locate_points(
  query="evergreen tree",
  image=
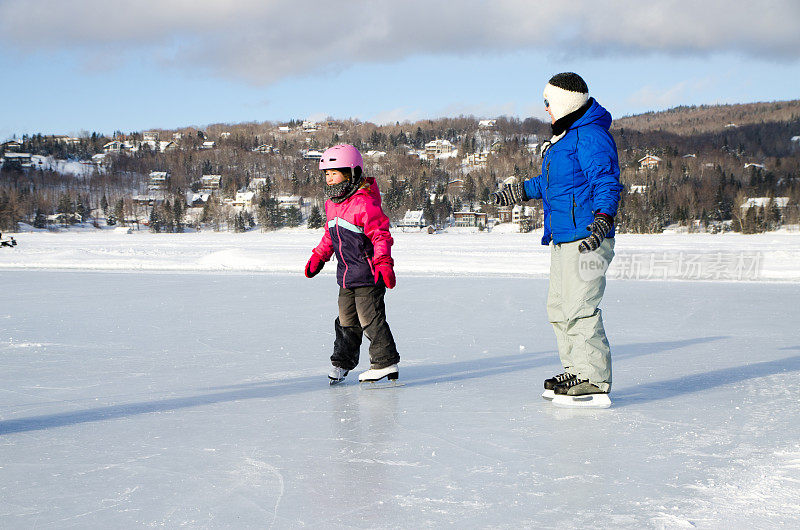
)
(315, 219)
(177, 215)
(119, 212)
(293, 217)
(156, 223)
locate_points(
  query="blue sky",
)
(91, 66)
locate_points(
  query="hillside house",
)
(757, 166)
(504, 214)
(469, 218)
(11, 145)
(224, 135)
(520, 212)
(310, 126)
(158, 180)
(99, 159)
(475, 160)
(24, 160)
(210, 183)
(264, 148)
(638, 189)
(486, 124)
(438, 149)
(455, 188)
(649, 162)
(242, 201)
(63, 139)
(312, 154)
(284, 129)
(375, 155)
(118, 146)
(257, 183)
(289, 201)
(412, 219)
(150, 136)
(208, 144)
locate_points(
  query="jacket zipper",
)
(547, 194)
(574, 223)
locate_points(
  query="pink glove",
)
(385, 272)
(314, 265)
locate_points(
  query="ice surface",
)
(202, 400)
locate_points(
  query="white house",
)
(312, 154)
(23, 159)
(242, 200)
(519, 211)
(208, 145)
(487, 124)
(757, 166)
(649, 162)
(638, 189)
(257, 183)
(438, 149)
(158, 180)
(210, 183)
(288, 201)
(412, 219)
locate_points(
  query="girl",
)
(358, 233)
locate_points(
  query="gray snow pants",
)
(577, 284)
(362, 312)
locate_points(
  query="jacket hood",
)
(596, 115)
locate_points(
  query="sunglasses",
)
(546, 104)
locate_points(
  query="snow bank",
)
(706, 257)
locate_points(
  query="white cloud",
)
(262, 41)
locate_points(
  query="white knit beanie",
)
(566, 92)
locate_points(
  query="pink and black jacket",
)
(358, 232)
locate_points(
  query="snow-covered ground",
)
(180, 380)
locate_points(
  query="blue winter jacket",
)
(580, 176)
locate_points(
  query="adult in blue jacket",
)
(580, 190)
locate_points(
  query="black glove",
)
(510, 194)
(599, 228)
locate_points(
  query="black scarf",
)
(344, 190)
(565, 122)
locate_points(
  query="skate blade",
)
(548, 395)
(380, 384)
(590, 401)
(335, 381)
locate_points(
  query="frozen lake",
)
(201, 399)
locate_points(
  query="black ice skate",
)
(580, 393)
(550, 384)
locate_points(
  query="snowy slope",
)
(162, 399)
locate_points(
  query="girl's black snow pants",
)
(363, 312)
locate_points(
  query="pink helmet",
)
(340, 156)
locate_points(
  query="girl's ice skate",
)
(373, 375)
(337, 375)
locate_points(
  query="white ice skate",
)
(337, 375)
(374, 375)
